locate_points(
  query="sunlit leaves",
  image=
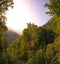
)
(53, 52)
(54, 7)
(38, 58)
(4, 4)
(50, 54)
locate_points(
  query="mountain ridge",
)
(53, 24)
(11, 35)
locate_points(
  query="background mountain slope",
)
(11, 35)
(53, 24)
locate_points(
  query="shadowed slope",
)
(11, 35)
(53, 24)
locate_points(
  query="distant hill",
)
(11, 35)
(53, 24)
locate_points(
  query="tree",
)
(38, 58)
(50, 54)
(4, 5)
(46, 36)
(54, 7)
(18, 51)
(31, 34)
(57, 48)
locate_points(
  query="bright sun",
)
(18, 16)
(26, 11)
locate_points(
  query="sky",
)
(26, 11)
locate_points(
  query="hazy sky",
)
(26, 11)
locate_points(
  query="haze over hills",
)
(14, 30)
(12, 34)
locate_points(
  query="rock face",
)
(11, 35)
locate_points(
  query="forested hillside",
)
(53, 24)
(37, 45)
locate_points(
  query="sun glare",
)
(18, 16)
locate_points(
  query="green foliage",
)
(31, 35)
(3, 28)
(38, 58)
(54, 25)
(4, 4)
(53, 52)
(50, 54)
(37, 45)
(57, 48)
(33, 47)
(54, 7)
(46, 35)
(57, 44)
(3, 44)
(3, 47)
(18, 51)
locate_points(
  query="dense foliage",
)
(4, 4)
(37, 45)
(54, 7)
